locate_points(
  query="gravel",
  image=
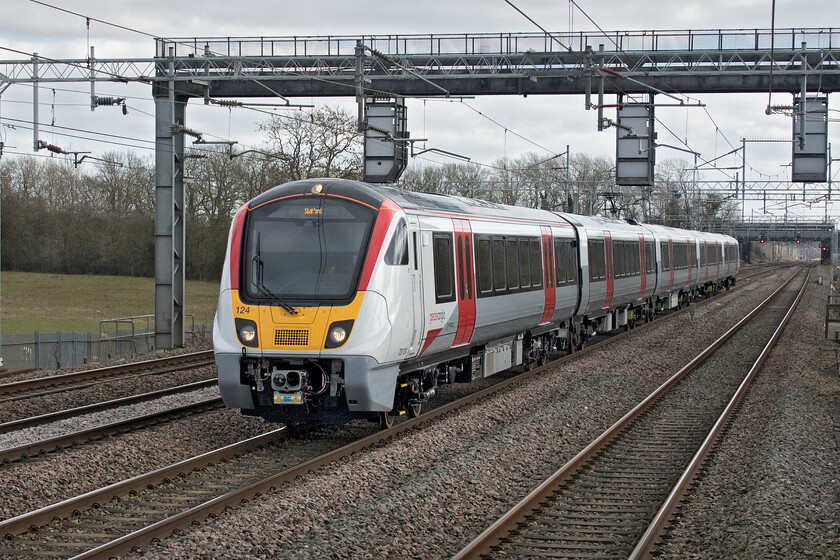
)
(96, 419)
(37, 482)
(772, 488)
(102, 390)
(429, 492)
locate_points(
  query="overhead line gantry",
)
(673, 63)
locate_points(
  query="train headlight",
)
(246, 330)
(338, 333)
(248, 333)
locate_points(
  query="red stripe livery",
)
(236, 246)
(643, 265)
(608, 251)
(465, 282)
(548, 276)
(377, 238)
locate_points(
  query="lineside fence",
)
(118, 338)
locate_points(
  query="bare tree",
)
(322, 143)
(467, 179)
(123, 183)
(423, 178)
(675, 192)
(590, 177)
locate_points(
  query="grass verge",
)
(55, 302)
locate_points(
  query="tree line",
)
(99, 219)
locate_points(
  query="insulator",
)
(53, 148)
(102, 101)
(228, 103)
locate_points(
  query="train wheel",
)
(386, 420)
(414, 410)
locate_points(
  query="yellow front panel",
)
(305, 330)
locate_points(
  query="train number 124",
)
(242, 309)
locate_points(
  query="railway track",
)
(32, 421)
(120, 523)
(80, 437)
(615, 498)
(52, 395)
(80, 379)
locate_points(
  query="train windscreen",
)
(305, 248)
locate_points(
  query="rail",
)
(66, 441)
(648, 541)
(201, 358)
(499, 531)
(32, 421)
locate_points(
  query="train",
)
(343, 300)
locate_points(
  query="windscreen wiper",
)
(275, 298)
(263, 289)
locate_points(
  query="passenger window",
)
(597, 260)
(468, 264)
(549, 269)
(571, 263)
(461, 267)
(536, 264)
(484, 266)
(444, 274)
(637, 259)
(559, 261)
(397, 253)
(618, 259)
(524, 265)
(512, 262)
(499, 270)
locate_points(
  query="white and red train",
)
(342, 300)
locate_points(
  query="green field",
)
(53, 302)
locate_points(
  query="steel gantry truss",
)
(689, 61)
(621, 62)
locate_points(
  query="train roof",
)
(603, 222)
(677, 232)
(434, 202)
(375, 195)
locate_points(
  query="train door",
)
(643, 265)
(583, 282)
(692, 261)
(416, 272)
(549, 271)
(464, 282)
(671, 263)
(609, 271)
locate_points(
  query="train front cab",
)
(308, 261)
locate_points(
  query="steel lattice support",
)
(169, 220)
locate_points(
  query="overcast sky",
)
(549, 123)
